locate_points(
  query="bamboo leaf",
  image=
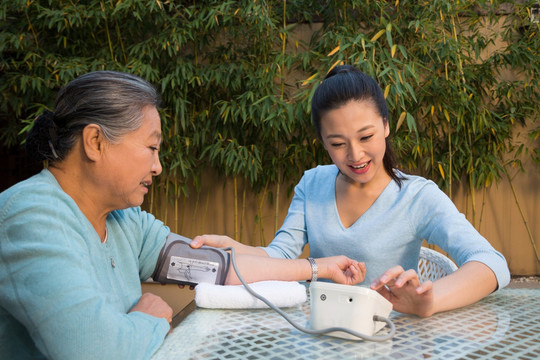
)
(336, 49)
(386, 91)
(378, 35)
(400, 120)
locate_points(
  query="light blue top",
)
(60, 295)
(389, 233)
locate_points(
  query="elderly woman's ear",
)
(93, 143)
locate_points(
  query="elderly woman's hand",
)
(153, 305)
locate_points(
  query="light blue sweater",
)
(60, 295)
(389, 233)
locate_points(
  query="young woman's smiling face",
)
(354, 136)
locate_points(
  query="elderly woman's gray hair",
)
(113, 100)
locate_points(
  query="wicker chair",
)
(433, 265)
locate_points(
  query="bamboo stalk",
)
(109, 41)
(31, 27)
(205, 210)
(522, 214)
(261, 223)
(473, 200)
(151, 206)
(283, 45)
(194, 214)
(176, 206)
(166, 204)
(119, 34)
(235, 185)
(181, 216)
(276, 207)
(484, 191)
(243, 213)
(450, 164)
(432, 155)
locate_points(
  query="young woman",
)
(74, 243)
(363, 207)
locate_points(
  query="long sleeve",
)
(389, 233)
(70, 292)
(441, 223)
(291, 238)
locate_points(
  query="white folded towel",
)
(279, 293)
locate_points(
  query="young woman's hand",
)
(217, 241)
(403, 289)
(221, 241)
(341, 269)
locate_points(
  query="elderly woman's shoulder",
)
(40, 186)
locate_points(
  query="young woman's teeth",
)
(359, 166)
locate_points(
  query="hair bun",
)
(37, 141)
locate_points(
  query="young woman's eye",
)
(337, 144)
(365, 138)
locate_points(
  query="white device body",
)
(351, 307)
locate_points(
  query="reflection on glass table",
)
(504, 325)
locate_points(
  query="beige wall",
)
(500, 221)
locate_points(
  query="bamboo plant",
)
(236, 83)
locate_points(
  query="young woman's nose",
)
(356, 152)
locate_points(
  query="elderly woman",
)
(74, 243)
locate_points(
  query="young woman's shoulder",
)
(320, 175)
(414, 181)
(321, 171)
(419, 186)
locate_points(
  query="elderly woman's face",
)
(131, 164)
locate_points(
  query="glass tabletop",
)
(504, 325)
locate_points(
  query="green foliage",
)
(226, 71)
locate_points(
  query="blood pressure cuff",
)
(179, 263)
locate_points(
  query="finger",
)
(385, 292)
(197, 242)
(387, 278)
(409, 276)
(355, 273)
(424, 287)
(359, 276)
(362, 267)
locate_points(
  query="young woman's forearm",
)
(339, 269)
(260, 268)
(470, 283)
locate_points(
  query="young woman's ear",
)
(93, 142)
(386, 127)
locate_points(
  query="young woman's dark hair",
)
(346, 83)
